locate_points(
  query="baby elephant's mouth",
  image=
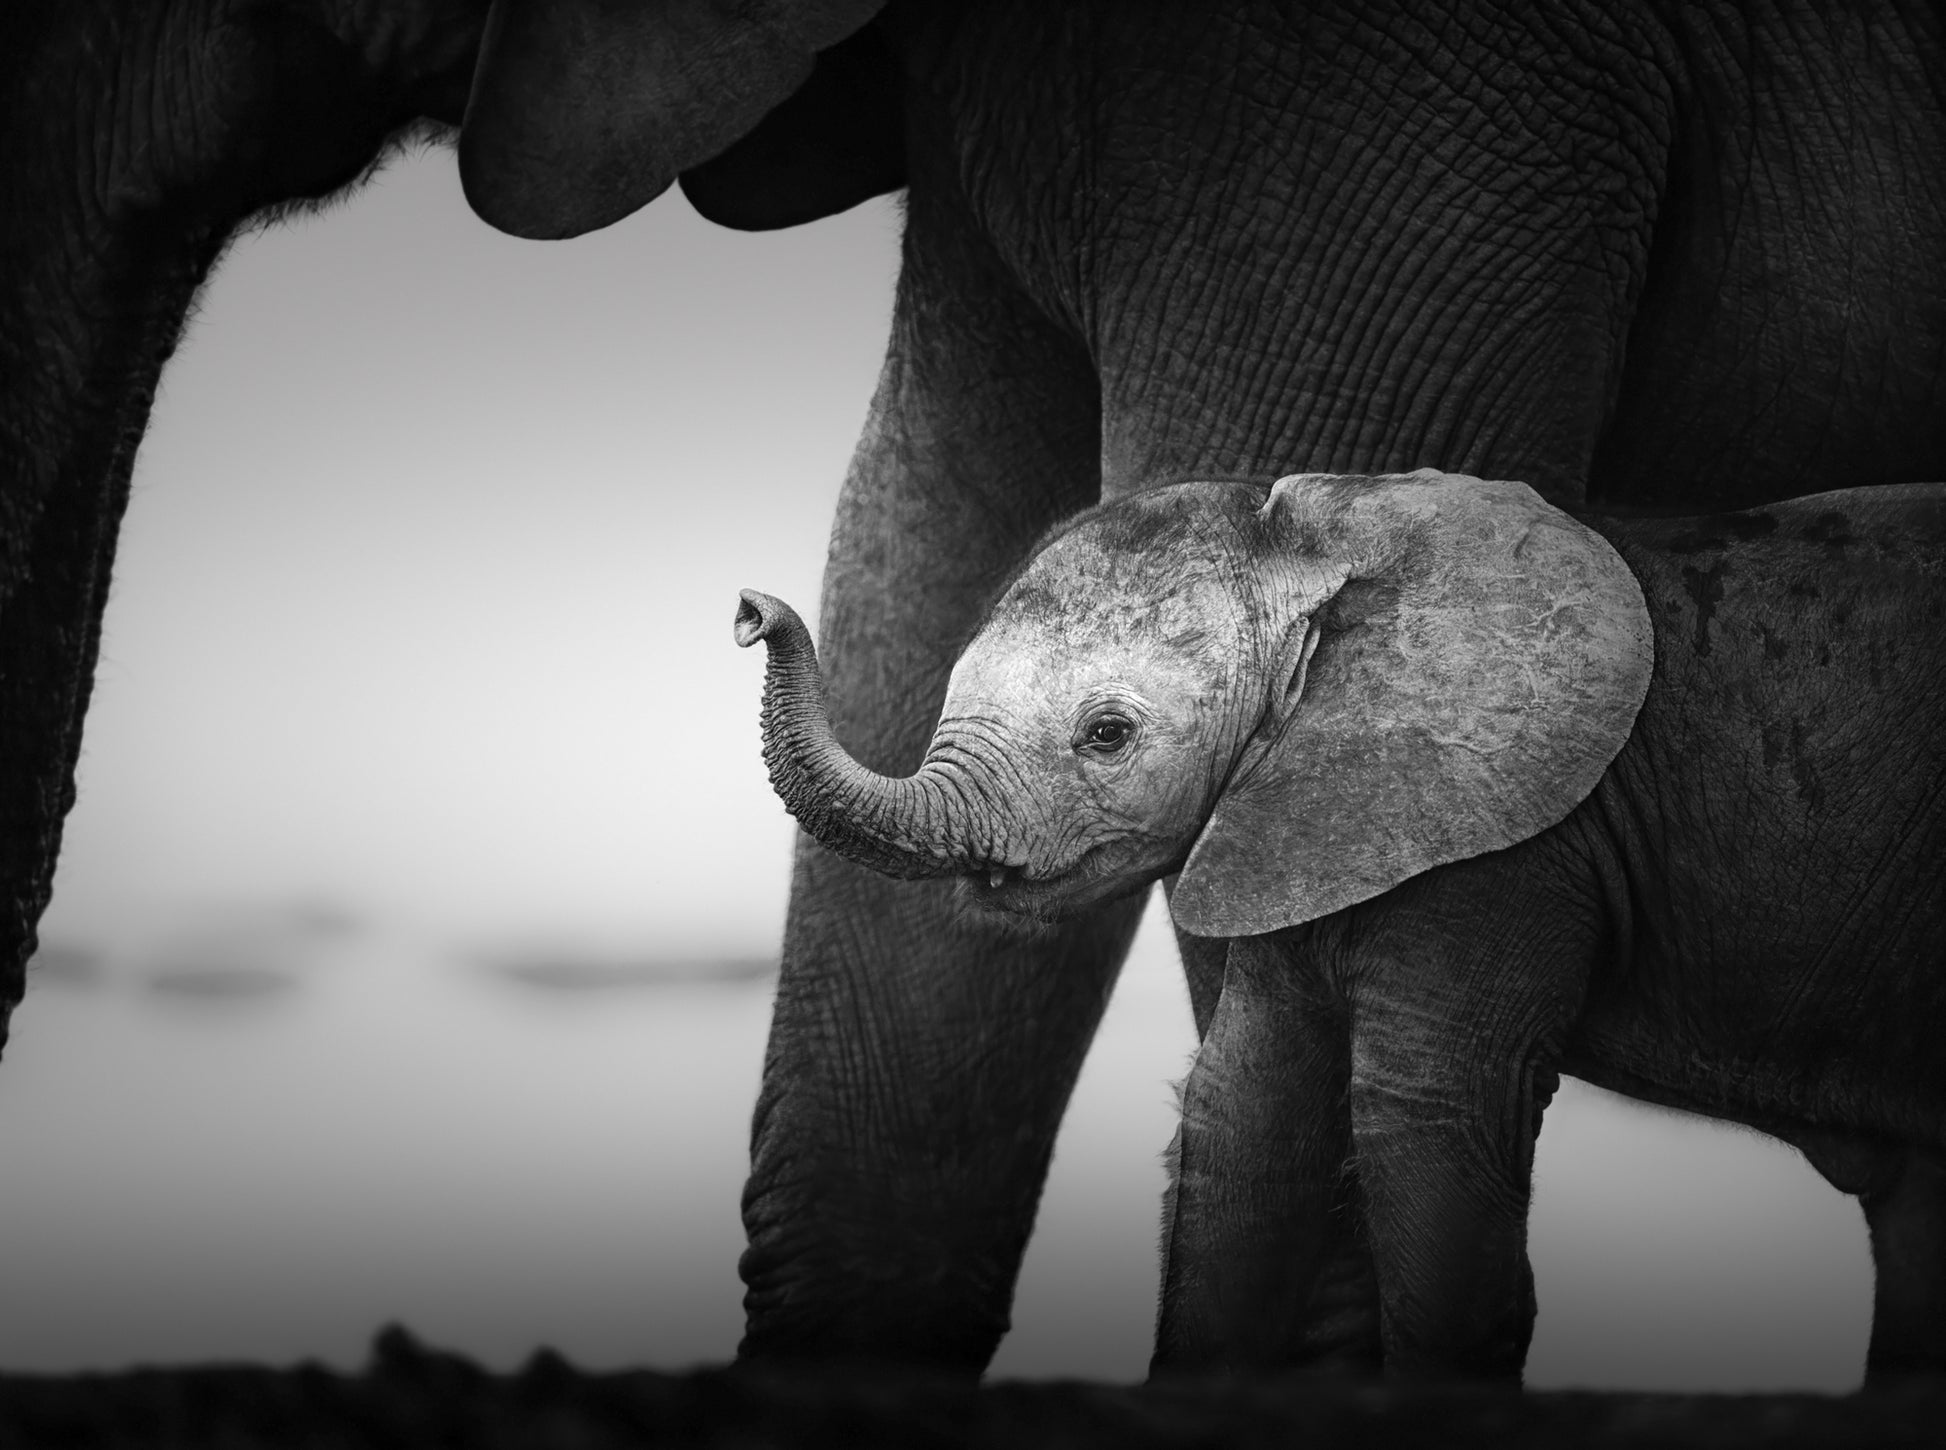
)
(999, 883)
(1091, 880)
(999, 886)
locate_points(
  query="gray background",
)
(400, 959)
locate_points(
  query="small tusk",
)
(997, 877)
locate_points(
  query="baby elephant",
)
(1463, 794)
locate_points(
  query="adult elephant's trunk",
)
(916, 826)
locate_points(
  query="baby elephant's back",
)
(1778, 614)
(1791, 756)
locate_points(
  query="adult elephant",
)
(1640, 254)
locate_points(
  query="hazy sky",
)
(418, 661)
(425, 596)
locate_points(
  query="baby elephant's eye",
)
(1107, 734)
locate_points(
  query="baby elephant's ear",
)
(1475, 673)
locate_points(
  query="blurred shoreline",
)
(255, 1130)
(410, 1394)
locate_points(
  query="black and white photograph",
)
(1145, 723)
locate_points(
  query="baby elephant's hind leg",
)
(1903, 1192)
(1907, 1219)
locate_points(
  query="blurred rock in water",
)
(573, 974)
(61, 965)
(219, 982)
(225, 952)
(243, 952)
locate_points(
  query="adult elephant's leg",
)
(54, 566)
(1264, 1264)
(137, 137)
(91, 300)
(921, 1055)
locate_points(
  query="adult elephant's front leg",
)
(921, 1055)
(919, 1065)
(53, 586)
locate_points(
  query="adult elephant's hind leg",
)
(921, 1054)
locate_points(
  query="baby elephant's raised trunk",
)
(911, 827)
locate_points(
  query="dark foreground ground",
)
(412, 1396)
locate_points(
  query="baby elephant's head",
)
(1297, 701)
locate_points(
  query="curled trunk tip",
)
(760, 615)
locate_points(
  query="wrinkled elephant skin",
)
(1388, 732)
(134, 138)
(1678, 257)
(1645, 253)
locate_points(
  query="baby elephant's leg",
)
(1263, 1263)
(1903, 1192)
(1457, 1016)
(1907, 1218)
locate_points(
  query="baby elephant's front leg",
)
(1264, 1266)
(1454, 1039)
